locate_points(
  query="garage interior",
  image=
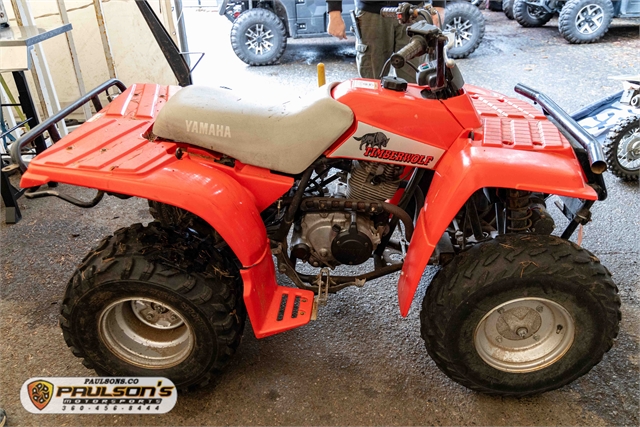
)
(360, 363)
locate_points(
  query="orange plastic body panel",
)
(516, 148)
(406, 114)
(111, 153)
(263, 298)
(490, 141)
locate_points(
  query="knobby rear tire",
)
(524, 14)
(464, 13)
(176, 269)
(253, 19)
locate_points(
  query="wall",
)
(137, 56)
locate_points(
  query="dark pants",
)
(381, 37)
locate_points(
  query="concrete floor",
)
(360, 363)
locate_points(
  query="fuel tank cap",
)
(394, 83)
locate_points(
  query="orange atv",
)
(379, 173)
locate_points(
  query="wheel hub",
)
(146, 333)
(629, 150)
(461, 30)
(536, 12)
(518, 323)
(258, 39)
(524, 335)
(155, 315)
(589, 19)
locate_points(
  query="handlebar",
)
(389, 12)
(416, 47)
(425, 38)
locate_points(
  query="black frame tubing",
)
(50, 124)
(28, 108)
(174, 57)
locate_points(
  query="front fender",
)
(471, 165)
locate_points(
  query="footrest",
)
(288, 309)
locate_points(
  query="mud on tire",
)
(181, 220)
(520, 295)
(150, 284)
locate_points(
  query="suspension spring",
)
(518, 211)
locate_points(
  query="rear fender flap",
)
(468, 167)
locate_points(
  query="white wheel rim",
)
(145, 332)
(259, 40)
(590, 19)
(524, 335)
(462, 30)
(629, 150)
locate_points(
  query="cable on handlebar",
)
(385, 69)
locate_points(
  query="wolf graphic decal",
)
(373, 140)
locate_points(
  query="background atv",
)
(580, 21)
(260, 28)
(615, 122)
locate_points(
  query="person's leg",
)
(376, 45)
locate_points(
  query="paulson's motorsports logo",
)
(98, 395)
(40, 393)
(374, 144)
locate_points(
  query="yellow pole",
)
(321, 77)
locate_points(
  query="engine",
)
(330, 236)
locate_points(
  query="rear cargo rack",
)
(49, 125)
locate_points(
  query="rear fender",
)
(469, 166)
(219, 199)
(206, 192)
(112, 152)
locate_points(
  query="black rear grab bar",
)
(568, 125)
(50, 123)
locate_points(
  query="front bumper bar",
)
(567, 125)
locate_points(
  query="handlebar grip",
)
(416, 47)
(389, 12)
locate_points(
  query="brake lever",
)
(450, 63)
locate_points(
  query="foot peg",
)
(322, 281)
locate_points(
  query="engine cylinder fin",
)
(373, 181)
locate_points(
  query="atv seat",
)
(286, 137)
